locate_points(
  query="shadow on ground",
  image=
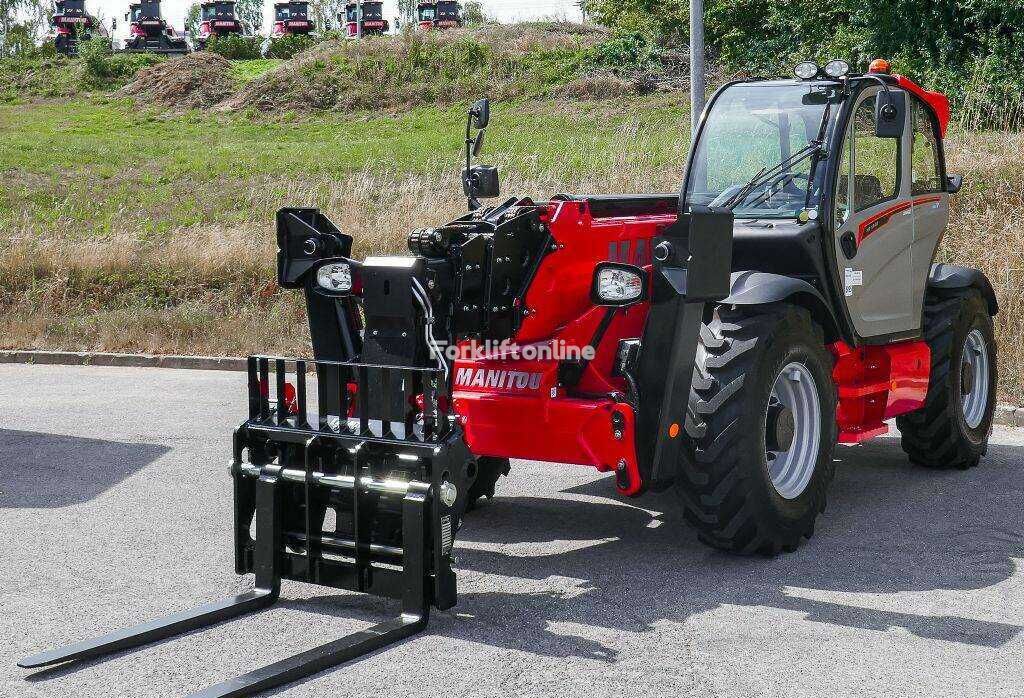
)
(890, 527)
(50, 470)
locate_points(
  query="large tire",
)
(487, 474)
(725, 486)
(939, 434)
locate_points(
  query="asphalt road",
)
(115, 508)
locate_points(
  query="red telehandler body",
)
(719, 342)
(72, 24)
(291, 19)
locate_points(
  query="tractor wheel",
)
(952, 429)
(761, 430)
(487, 474)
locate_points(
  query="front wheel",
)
(953, 427)
(761, 430)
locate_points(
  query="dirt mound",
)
(397, 72)
(196, 81)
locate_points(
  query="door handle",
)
(848, 242)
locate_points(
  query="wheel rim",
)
(974, 378)
(792, 430)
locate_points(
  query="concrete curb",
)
(88, 358)
(1007, 415)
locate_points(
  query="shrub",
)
(101, 67)
(235, 47)
(288, 46)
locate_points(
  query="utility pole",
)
(697, 86)
(359, 19)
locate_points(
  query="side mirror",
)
(478, 143)
(954, 183)
(481, 112)
(113, 23)
(890, 113)
(481, 182)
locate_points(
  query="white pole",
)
(359, 19)
(697, 86)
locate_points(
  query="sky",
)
(502, 10)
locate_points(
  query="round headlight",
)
(335, 277)
(806, 70)
(837, 69)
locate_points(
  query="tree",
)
(193, 20)
(324, 13)
(250, 14)
(20, 23)
(473, 12)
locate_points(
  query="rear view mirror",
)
(481, 112)
(890, 113)
(954, 182)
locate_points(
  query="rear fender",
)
(762, 288)
(951, 276)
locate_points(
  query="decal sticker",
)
(852, 278)
(509, 380)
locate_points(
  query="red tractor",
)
(717, 343)
(291, 19)
(444, 14)
(72, 24)
(217, 19)
(372, 16)
(150, 33)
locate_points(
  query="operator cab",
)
(146, 10)
(833, 178)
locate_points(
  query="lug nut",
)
(618, 434)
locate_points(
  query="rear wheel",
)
(762, 430)
(953, 427)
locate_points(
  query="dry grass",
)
(209, 289)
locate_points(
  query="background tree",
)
(324, 13)
(192, 19)
(21, 22)
(250, 14)
(473, 12)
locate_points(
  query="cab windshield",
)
(750, 129)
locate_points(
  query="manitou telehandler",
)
(72, 25)
(149, 32)
(718, 343)
(445, 14)
(217, 19)
(291, 19)
(372, 19)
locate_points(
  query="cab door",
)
(874, 226)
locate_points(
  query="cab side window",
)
(870, 162)
(925, 174)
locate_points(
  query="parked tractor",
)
(291, 19)
(149, 32)
(72, 25)
(372, 14)
(217, 19)
(717, 343)
(444, 14)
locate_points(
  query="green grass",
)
(86, 165)
(247, 71)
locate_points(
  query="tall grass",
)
(207, 285)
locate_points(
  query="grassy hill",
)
(150, 228)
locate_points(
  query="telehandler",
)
(719, 343)
(149, 32)
(217, 19)
(71, 25)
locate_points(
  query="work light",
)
(336, 277)
(837, 68)
(806, 70)
(618, 284)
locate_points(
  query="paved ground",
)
(114, 508)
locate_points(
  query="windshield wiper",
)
(765, 175)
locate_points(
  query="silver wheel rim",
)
(794, 404)
(974, 379)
